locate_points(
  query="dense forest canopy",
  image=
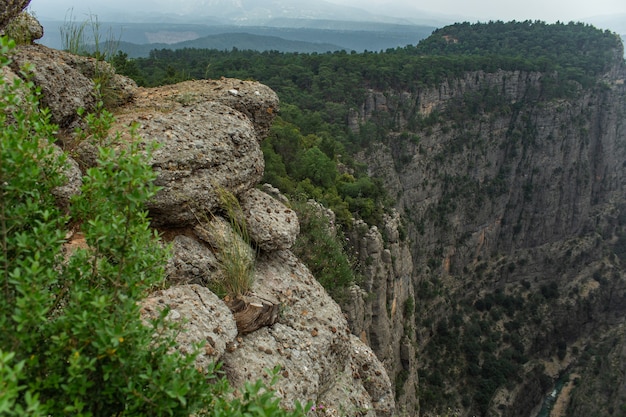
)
(318, 91)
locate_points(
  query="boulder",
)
(256, 101)
(319, 359)
(202, 148)
(271, 224)
(203, 316)
(67, 81)
(24, 29)
(192, 262)
(64, 88)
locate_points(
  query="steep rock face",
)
(208, 134)
(515, 209)
(381, 307)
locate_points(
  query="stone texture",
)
(64, 88)
(9, 9)
(74, 181)
(320, 360)
(271, 224)
(202, 147)
(24, 29)
(375, 309)
(192, 262)
(203, 316)
(254, 100)
(66, 81)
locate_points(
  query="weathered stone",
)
(254, 100)
(374, 377)
(203, 316)
(271, 225)
(274, 192)
(64, 88)
(191, 262)
(24, 29)
(73, 182)
(380, 319)
(9, 9)
(202, 148)
(312, 344)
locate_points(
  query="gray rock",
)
(202, 147)
(191, 262)
(203, 317)
(74, 181)
(271, 224)
(274, 192)
(9, 9)
(67, 81)
(255, 100)
(24, 29)
(319, 359)
(64, 88)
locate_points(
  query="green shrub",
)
(323, 252)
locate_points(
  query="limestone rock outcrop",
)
(516, 218)
(208, 135)
(380, 309)
(204, 143)
(205, 318)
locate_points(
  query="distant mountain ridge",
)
(228, 41)
(289, 35)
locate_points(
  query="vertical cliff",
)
(514, 203)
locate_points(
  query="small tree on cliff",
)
(72, 340)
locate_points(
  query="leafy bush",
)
(73, 340)
(323, 252)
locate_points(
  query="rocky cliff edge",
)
(208, 134)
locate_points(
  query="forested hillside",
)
(318, 92)
(502, 146)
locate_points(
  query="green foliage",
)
(235, 255)
(73, 340)
(254, 399)
(323, 251)
(302, 165)
(576, 51)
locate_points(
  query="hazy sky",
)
(547, 10)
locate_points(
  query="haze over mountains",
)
(284, 25)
